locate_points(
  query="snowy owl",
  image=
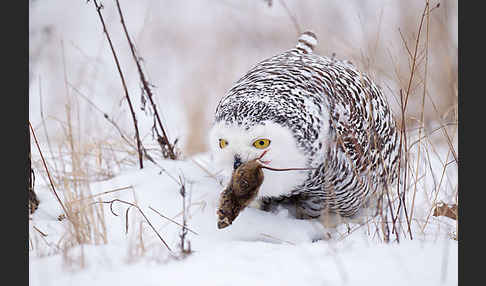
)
(315, 112)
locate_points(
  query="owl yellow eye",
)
(222, 143)
(261, 143)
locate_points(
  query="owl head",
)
(233, 144)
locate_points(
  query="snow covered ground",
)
(258, 249)
(193, 52)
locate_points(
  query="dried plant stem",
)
(173, 221)
(277, 169)
(403, 144)
(403, 107)
(137, 136)
(385, 222)
(276, 238)
(437, 190)
(207, 171)
(421, 111)
(111, 121)
(446, 134)
(46, 134)
(414, 59)
(292, 17)
(145, 84)
(39, 231)
(47, 170)
(286, 169)
(103, 193)
(183, 234)
(405, 44)
(429, 133)
(141, 212)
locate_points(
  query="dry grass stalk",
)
(163, 140)
(40, 244)
(98, 8)
(198, 164)
(277, 239)
(87, 224)
(421, 111)
(403, 165)
(291, 16)
(111, 202)
(398, 198)
(173, 221)
(202, 205)
(44, 125)
(104, 193)
(86, 221)
(403, 107)
(47, 171)
(39, 231)
(185, 246)
(404, 98)
(106, 116)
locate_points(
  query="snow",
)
(193, 52)
(259, 248)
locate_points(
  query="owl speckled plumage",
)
(309, 111)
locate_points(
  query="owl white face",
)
(230, 143)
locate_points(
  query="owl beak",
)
(237, 162)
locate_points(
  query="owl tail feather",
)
(306, 42)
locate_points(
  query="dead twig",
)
(39, 231)
(102, 193)
(422, 113)
(292, 17)
(276, 238)
(183, 234)
(141, 212)
(414, 59)
(112, 122)
(171, 220)
(47, 170)
(403, 144)
(403, 107)
(164, 140)
(137, 136)
(105, 115)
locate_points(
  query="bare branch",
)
(165, 140)
(48, 173)
(139, 143)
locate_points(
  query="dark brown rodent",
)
(242, 189)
